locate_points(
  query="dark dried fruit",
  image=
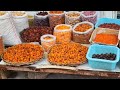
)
(33, 34)
(110, 26)
(107, 56)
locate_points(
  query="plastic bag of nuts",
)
(90, 16)
(63, 33)
(82, 32)
(47, 41)
(41, 19)
(72, 17)
(56, 18)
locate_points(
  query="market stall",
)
(73, 42)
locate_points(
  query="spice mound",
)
(83, 27)
(110, 26)
(23, 54)
(106, 39)
(68, 54)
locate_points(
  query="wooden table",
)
(88, 73)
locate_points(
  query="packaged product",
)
(8, 29)
(20, 19)
(56, 18)
(90, 16)
(82, 32)
(72, 17)
(63, 33)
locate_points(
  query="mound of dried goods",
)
(106, 39)
(33, 34)
(83, 27)
(18, 13)
(89, 13)
(63, 33)
(2, 13)
(110, 26)
(56, 12)
(23, 54)
(68, 54)
(56, 18)
(47, 41)
(42, 13)
(106, 56)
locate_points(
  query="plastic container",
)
(40, 20)
(47, 41)
(106, 20)
(82, 37)
(56, 19)
(90, 18)
(102, 63)
(71, 19)
(64, 35)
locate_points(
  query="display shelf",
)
(84, 70)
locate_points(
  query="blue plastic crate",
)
(107, 20)
(101, 63)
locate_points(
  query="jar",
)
(56, 18)
(63, 33)
(1, 46)
(84, 36)
(41, 19)
(72, 17)
(47, 41)
(90, 16)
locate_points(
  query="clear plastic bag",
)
(47, 41)
(56, 19)
(90, 18)
(40, 20)
(82, 37)
(63, 36)
(71, 19)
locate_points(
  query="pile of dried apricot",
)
(23, 54)
(68, 54)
